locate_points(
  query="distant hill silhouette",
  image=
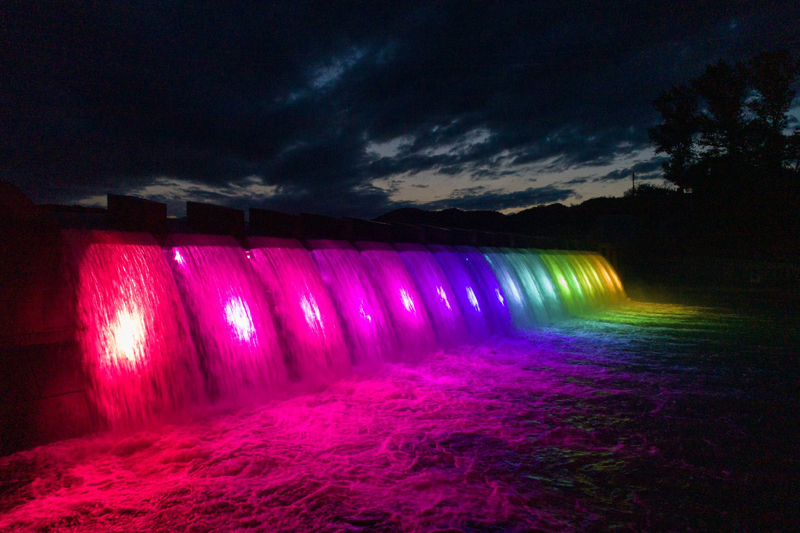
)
(615, 220)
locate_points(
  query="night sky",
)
(357, 110)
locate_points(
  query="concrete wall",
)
(41, 379)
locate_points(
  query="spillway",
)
(306, 316)
(367, 325)
(230, 319)
(401, 297)
(197, 319)
(439, 298)
(133, 333)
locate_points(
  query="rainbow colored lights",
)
(208, 318)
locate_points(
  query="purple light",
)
(238, 316)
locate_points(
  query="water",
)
(645, 418)
(229, 325)
(306, 316)
(439, 298)
(584, 280)
(367, 325)
(537, 286)
(470, 296)
(230, 319)
(401, 297)
(522, 311)
(133, 332)
(498, 316)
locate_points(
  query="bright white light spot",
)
(364, 314)
(408, 303)
(443, 296)
(515, 292)
(238, 316)
(500, 297)
(472, 299)
(127, 333)
(311, 311)
(179, 258)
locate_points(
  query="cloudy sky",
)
(352, 109)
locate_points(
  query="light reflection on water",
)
(647, 418)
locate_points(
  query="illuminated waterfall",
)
(200, 318)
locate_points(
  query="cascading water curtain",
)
(137, 353)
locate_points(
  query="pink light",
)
(443, 296)
(311, 312)
(179, 258)
(238, 316)
(128, 336)
(408, 303)
(500, 297)
(473, 300)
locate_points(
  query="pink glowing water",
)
(368, 327)
(400, 296)
(133, 332)
(230, 319)
(305, 312)
(645, 419)
(436, 292)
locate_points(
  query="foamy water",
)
(649, 418)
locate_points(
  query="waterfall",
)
(366, 323)
(229, 316)
(304, 311)
(439, 298)
(137, 354)
(199, 318)
(401, 297)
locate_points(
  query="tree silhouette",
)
(676, 136)
(727, 129)
(771, 76)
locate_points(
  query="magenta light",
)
(238, 316)
(178, 257)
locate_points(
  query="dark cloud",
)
(113, 96)
(644, 170)
(478, 199)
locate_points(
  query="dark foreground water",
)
(647, 418)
